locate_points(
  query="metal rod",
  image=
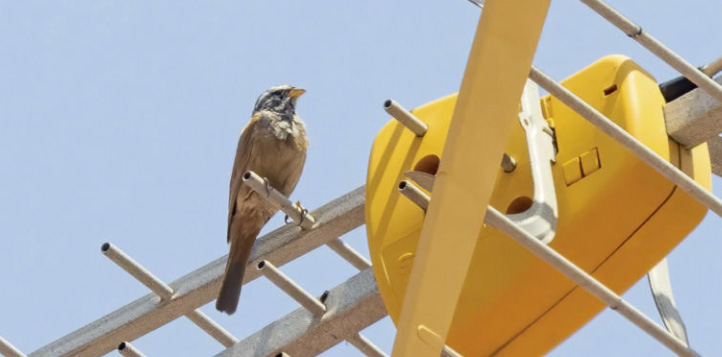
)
(137, 271)
(497, 220)
(212, 328)
(586, 281)
(297, 213)
(405, 117)
(166, 292)
(8, 350)
(351, 255)
(291, 288)
(365, 345)
(713, 68)
(659, 49)
(414, 193)
(128, 350)
(598, 119)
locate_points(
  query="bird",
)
(273, 145)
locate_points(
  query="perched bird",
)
(273, 145)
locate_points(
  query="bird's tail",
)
(233, 280)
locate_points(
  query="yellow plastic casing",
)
(617, 216)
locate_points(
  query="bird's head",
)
(280, 99)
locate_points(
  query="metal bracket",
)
(540, 220)
(661, 287)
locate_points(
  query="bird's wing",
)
(244, 153)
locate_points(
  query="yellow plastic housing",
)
(617, 216)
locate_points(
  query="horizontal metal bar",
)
(365, 346)
(351, 255)
(607, 126)
(201, 286)
(8, 350)
(128, 350)
(352, 306)
(405, 117)
(497, 220)
(295, 211)
(653, 45)
(291, 288)
(137, 271)
(212, 328)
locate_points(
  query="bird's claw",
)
(303, 212)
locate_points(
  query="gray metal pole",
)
(8, 350)
(351, 255)
(365, 345)
(405, 117)
(291, 288)
(604, 124)
(653, 45)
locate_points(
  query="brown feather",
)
(280, 160)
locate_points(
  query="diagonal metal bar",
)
(166, 293)
(8, 350)
(365, 345)
(291, 288)
(607, 126)
(351, 255)
(352, 306)
(201, 286)
(653, 45)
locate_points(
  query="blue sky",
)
(119, 121)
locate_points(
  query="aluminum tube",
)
(653, 45)
(405, 117)
(365, 346)
(212, 328)
(137, 271)
(291, 288)
(128, 350)
(351, 255)
(258, 184)
(415, 194)
(631, 143)
(8, 350)
(713, 68)
(586, 281)
(166, 292)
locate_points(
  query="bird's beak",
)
(296, 92)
